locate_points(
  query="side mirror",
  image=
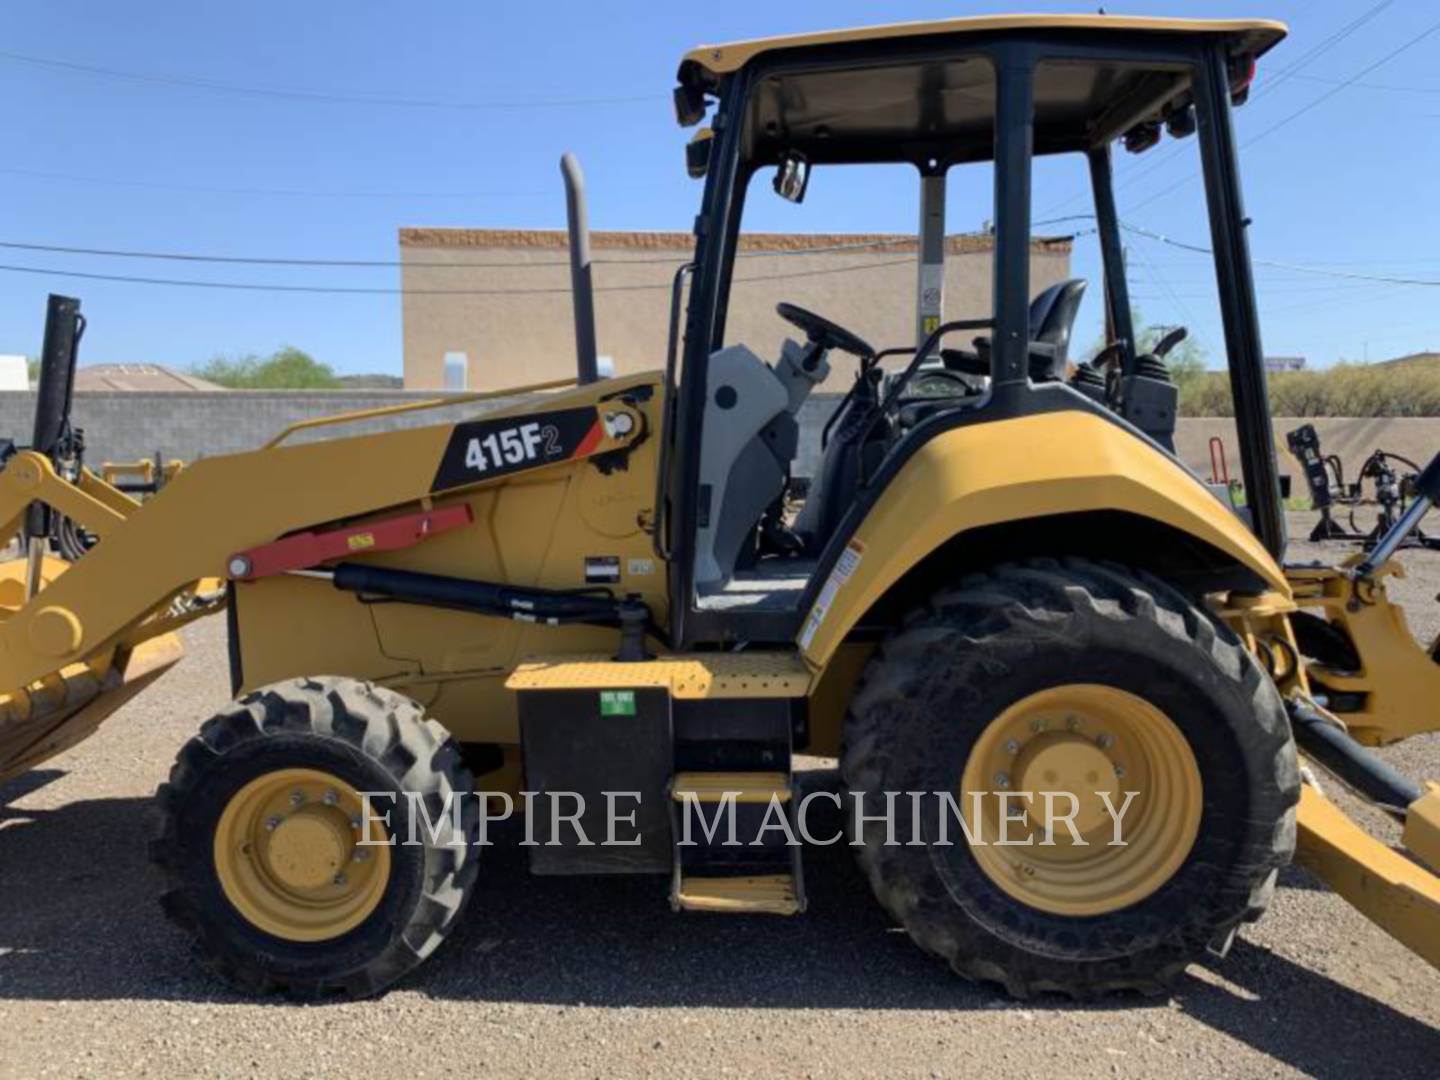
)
(792, 177)
(697, 153)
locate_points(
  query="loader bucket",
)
(57, 711)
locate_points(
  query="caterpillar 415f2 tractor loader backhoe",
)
(1002, 584)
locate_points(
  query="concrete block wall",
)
(129, 426)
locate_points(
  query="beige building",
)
(501, 297)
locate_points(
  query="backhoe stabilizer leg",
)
(1393, 892)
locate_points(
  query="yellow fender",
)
(1012, 470)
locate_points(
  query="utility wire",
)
(268, 192)
(1277, 265)
(322, 96)
(256, 287)
(667, 260)
(1270, 82)
(1307, 107)
(1388, 87)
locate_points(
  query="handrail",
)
(417, 406)
(659, 538)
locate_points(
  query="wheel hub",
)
(309, 848)
(1095, 743)
(288, 857)
(1071, 764)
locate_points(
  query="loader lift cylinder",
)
(581, 287)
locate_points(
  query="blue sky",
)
(102, 161)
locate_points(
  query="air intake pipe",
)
(582, 289)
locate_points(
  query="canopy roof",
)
(899, 105)
(1253, 36)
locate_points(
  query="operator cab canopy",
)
(907, 100)
(933, 96)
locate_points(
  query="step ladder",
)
(698, 735)
(733, 782)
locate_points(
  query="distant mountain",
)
(372, 382)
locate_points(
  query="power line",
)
(112, 181)
(1270, 82)
(320, 96)
(1393, 88)
(1313, 104)
(363, 291)
(1277, 265)
(666, 260)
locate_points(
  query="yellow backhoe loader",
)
(1002, 591)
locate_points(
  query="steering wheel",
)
(820, 331)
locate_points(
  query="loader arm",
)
(222, 505)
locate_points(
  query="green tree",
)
(288, 368)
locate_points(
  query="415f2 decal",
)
(484, 449)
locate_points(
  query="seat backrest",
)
(1052, 317)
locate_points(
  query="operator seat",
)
(1052, 317)
(856, 441)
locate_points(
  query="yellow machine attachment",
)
(49, 711)
(1354, 676)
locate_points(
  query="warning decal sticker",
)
(845, 568)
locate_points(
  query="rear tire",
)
(1001, 638)
(355, 737)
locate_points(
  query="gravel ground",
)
(586, 977)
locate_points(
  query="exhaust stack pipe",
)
(53, 398)
(55, 390)
(581, 287)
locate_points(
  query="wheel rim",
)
(1082, 739)
(288, 857)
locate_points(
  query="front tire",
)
(1078, 664)
(260, 839)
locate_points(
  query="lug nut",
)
(1072, 722)
(1012, 746)
(1038, 725)
(331, 797)
(1119, 769)
(339, 879)
(361, 855)
(355, 822)
(1105, 742)
(272, 823)
(1002, 780)
(296, 798)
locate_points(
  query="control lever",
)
(1169, 341)
(1427, 493)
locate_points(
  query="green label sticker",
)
(617, 702)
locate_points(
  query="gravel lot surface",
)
(597, 977)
